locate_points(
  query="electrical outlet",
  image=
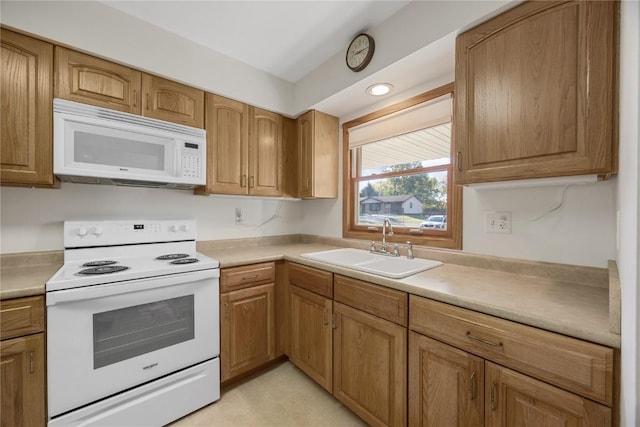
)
(497, 222)
(238, 215)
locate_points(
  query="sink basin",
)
(358, 259)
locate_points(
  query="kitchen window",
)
(398, 166)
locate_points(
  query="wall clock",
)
(360, 52)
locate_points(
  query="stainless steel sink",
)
(361, 260)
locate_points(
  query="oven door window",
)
(132, 331)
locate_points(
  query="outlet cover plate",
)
(497, 222)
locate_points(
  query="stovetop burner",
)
(103, 270)
(171, 256)
(98, 263)
(184, 261)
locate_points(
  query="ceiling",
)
(287, 39)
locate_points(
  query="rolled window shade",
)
(427, 114)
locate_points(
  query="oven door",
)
(104, 339)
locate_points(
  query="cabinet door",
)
(370, 366)
(305, 139)
(90, 80)
(513, 399)
(23, 394)
(535, 92)
(247, 329)
(446, 385)
(311, 344)
(27, 111)
(265, 153)
(171, 101)
(227, 125)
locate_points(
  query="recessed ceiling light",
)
(379, 89)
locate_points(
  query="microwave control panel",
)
(191, 165)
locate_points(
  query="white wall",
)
(628, 199)
(31, 219)
(582, 231)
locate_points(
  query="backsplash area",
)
(31, 219)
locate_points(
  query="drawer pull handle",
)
(472, 387)
(325, 320)
(31, 362)
(247, 278)
(493, 396)
(483, 341)
(226, 310)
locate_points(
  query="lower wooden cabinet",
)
(247, 329)
(247, 318)
(514, 399)
(446, 385)
(370, 361)
(22, 386)
(310, 339)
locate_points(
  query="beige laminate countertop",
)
(571, 309)
(580, 311)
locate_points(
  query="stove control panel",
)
(79, 234)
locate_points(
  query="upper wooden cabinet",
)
(318, 154)
(174, 102)
(244, 149)
(26, 115)
(90, 80)
(265, 153)
(227, 125)
(535, 93)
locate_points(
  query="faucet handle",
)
(396, 250)
(409, 250)
(372, 248)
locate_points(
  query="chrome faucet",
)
(386, 222)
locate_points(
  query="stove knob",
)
(82, 231)
(173, 228)
(98, 231)
(185, 228)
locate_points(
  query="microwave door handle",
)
(177, 158)
(119, 288)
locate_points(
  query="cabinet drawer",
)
(235, 278)
(21, 316)
(578, 366)
(318, 281)
(377, 300)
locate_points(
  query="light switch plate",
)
(497, 222)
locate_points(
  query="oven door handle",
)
(119, 288)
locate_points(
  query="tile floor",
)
(282, 396)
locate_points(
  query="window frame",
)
(452, 237)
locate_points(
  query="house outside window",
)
(399, 159)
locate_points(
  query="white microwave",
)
(96, 145)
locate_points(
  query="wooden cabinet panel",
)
(311, 344)
(446, 385)
(171, 101)
(227, 125)
(235, 278)
(318, 155)
(21, 316)
(26, 114)
(578, 366)
(514, 399)
(247, 329)
(535, 92)
(265, 153)
(310, 278)
(370, 366)
(90, 80)
(22, 394)
(386, 303)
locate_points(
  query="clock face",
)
(360, 52)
